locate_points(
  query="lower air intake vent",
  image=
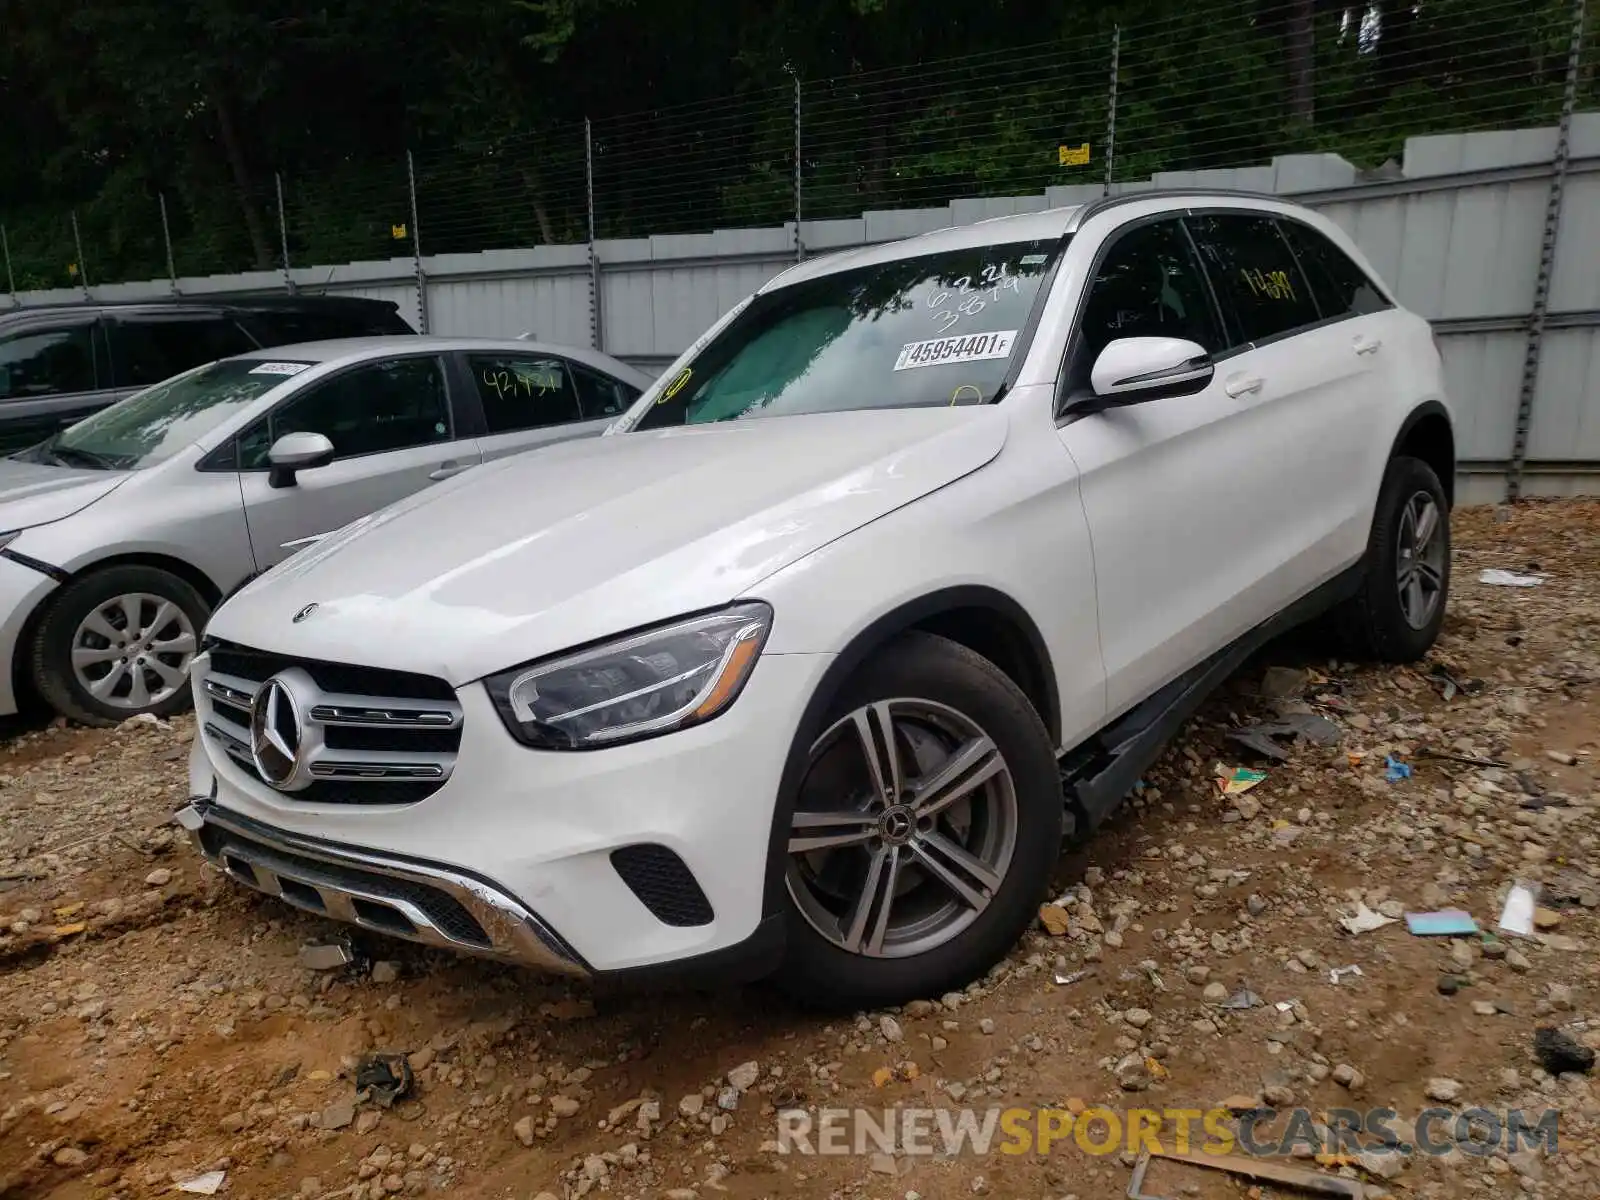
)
(663, 883)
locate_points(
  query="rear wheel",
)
(1397, 614)
(118, 642)
(927, 825)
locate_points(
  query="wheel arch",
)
(983, 619)
(1427, 434)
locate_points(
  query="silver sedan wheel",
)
(904, 829)
(1420, 562)
(133, 651)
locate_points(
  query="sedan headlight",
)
(654, 682)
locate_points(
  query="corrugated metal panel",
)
(555, 308)
(1481, 376)
(1566, 407)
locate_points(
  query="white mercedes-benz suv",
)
(903, 572)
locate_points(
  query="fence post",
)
(283, 235)
(596, 321)
(11, 280)
(83, 271)
(416, 248)
(1111, 108)
(1547, 259)
(799, 241)
(166, 236)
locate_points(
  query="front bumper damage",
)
(421, 902)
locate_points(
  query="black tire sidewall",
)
(924, 666)
(51, 664)
(1388, 634)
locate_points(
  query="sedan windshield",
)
(938, 329)
(155, 424)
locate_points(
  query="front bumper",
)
(421, 902)
(22, 589)
(536, 834)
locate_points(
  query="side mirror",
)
(295, 452)
(1134, 370)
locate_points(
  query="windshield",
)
(155, 424)
(937, 329)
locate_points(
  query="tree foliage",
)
(209, 104)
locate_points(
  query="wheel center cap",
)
(897, 824)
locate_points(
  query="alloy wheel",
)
(1420, 561)
(133, 651)
(904, 829)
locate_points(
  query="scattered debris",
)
(1261, 736)
(1395, 770)
(1242, 999)
(1451, 922)
(204, 1185)
(1495, 577)
(1559, 1052)
(384, 1078)
(1466, 760)
(1364, 920)
(327, 956)
(1235, 781)
(1517, 915)
(1054, 919)
(1070, 977)
(1264, 1170)
(1338, 973)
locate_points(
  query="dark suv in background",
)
(59, 363)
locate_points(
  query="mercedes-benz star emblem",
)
(305, 612)
(276, 734)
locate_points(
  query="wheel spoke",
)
(971, 765)
(165, 612)
(1416, 602)
(876, 900)
(84, 656)
(96, 623)
(132, 608)
(138, 689)
(1427, 523)
(183, 643)
(968, 876)
(1430, 575)
(172, 676)
(846, 829)
(102, 688)
(875, 731)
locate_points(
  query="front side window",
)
(1255, 274)
(1149, 285)
(46, 362)
(520, 392)
(370, 409)
(155, 424)
(150, 349)
(1341, 288)
(937, 329)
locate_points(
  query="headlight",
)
(654, 682)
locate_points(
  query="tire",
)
(1374, 623)
(66, 625)
(945, 696)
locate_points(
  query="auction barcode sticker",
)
(279, 368)
(970, 347)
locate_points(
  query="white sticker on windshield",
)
(970, 347)
(279, 368)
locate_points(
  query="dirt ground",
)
(155, 1023)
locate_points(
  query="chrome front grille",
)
(365, 735)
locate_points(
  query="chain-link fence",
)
(1120, 99)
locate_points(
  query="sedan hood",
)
(589, 538)
(37, 493)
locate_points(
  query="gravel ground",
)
(156, 1025)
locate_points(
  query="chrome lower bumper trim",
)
(420, 902)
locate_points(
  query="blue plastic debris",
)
(1452, 922)
(1397, 769)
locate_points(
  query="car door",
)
(1313, 403)
(529, 400)
(393, 431)
(1181, 496)
(53, 372)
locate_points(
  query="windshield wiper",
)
(72, 456)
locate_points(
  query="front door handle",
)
(447, 469)
(1239, 385)
(1368, 345)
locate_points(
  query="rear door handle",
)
(1368, 345)
(1238, 385)
(447, 469)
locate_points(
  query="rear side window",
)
(601, 395)
(1341, 288)
(1255, 274)
(148, 350)
(523, 392)
(46, 362)
(283, 327)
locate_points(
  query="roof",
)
(343, 349)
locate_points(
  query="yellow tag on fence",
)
(1073, 156)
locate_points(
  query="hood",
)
(37, 493)
(589, 538)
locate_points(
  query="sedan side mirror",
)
(1134, 370)
(295, 452)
